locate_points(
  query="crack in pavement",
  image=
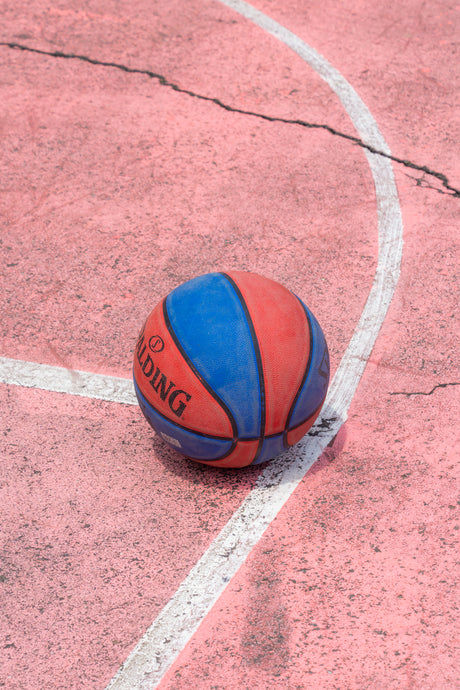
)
(450, 191)
(439, 385)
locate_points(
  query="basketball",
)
(231, 369)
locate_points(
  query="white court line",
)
(71, 381)
(180, 618)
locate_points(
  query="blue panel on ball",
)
(271, 447)
(185, 442)
(315, 385)
(210, 325)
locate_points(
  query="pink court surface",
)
(143, 144)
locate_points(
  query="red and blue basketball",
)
(231, 369)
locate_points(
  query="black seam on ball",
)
(260, 370)
(302, 383)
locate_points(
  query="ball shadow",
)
(195, 472)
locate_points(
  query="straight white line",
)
(71, 381)
(180, 618)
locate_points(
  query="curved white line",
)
(180, 618)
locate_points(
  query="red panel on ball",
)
(171, 386)
(283, 335)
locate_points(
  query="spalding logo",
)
(156, 343)
(176, 398)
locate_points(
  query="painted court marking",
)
(71, 381)
(180, 618)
